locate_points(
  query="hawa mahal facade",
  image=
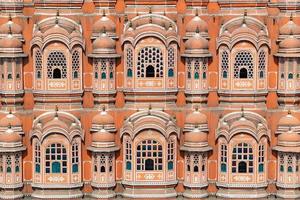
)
(149, 99)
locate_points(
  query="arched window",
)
(37, 157)
(129, 61)
(75, 157)
(1, 163)
(224, 64)
(290, 163)
(223, 158)
(261, 158)
(171, 154)
(196, 163)
(75, 64)
(197, 69)
(261, 64)
(171, 62)
(243, 65)
(103, 68)
(242, 158)
(128, 154)
(150, 62)
(150, 71)
(149, 155)
(17, 163)
(56, 159)
(189, 68)
(38, 64)
(8, 164)
(56, 73)
(281, 162)
(56, 65)
(243, 73)
(102, 163)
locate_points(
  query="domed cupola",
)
(197, 57)
(104, 47)
(104, 23)
(11, 149)
(103, 148)
(196, 23)
(196, 46)
(288, 55)
(195, 132)
(288, 131)
(195, 148)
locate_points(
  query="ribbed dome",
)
(196, 42)
(9, 136)
(10, 42)
(10, 27)
(103, 136)
(196, 23)
(103, 118)
(289, 120)
(10, 120)
(56, 30)
(289, 28)
(196, 117)
(195, 136)
(104, 23)
(104, 42)
(289, 137)
(290, 43)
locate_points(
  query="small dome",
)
(104, 42)
(289, 120)
(195, 136)
(10, 28)
(290, 43)
(289, 137)
(290, 28)
(196, 23)
(103, 136)
(196, 42)
(103, 118)
(196, 117)
(56, 30)
(10, 136)
(104, 23)
(10, 42)
(10, 120)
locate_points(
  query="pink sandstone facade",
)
(149, 99)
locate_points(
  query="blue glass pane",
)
(103, 75)
(261, 168)
(170, 165)
(111, 75)
(223, 167)
(75, 168)
(128, 165)
(204, 75)
(8, 169)
(37, 168)
(196, 76)
(170, 73)
(56, 167)
(281, 168)
(290, 169)
(17, 169)
(129, 73)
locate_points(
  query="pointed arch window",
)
(224, 64)
(243, 65)
(75, 64)
(37, 157)
(38, 64)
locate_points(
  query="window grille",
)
(8, 164)
(37, 158)
(128, 155)
(243, 65)
(171, 61)
(171, 154)
(75, 64)
(197, 69)
(224, 64)
(242, 158)
(75, 157)
(17, 163)
(56, 65)
(56, 159)
(129, 62)
(261, 158)
(223, 158)
(150, 63)
(149, 156)
(261, 64)
(189, 68)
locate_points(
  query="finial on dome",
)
(197, 12)
(165, 14)
(9, 17)
(289, 112)
(103, 13)
(242, 110)
(196, 108)
(244, 17)
(57, 12)
(125, 18)
(291, 17)
(9, 126)
(150, 10)
(56, 110)
(197, 30)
